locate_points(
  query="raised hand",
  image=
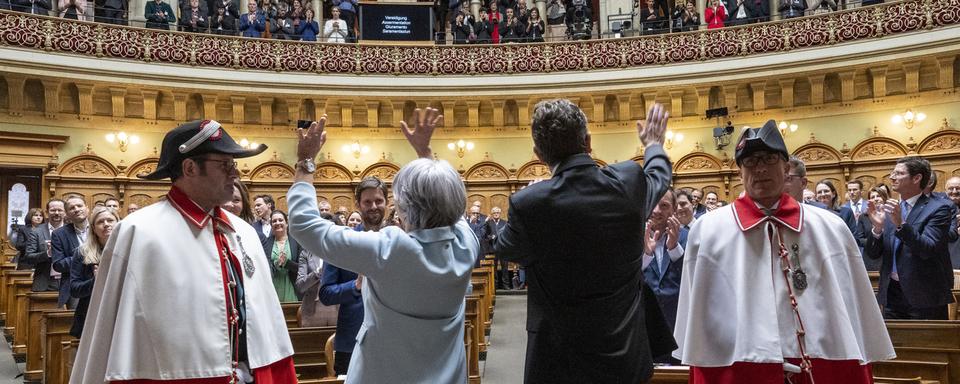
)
(892, 208)
(654, 129)
(423, 123)
(673, 232)
(876, 215)
(311, 139)
(650, 238)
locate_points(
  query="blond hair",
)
(91, 248)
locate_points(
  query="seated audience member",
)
(715, 14)
(193, 19)
(283, 251)
(742, 13)
(308, 27)
(221, 23)
(417, 276)
(865, 227)
(159, 15)
(348, 13)
(510, 29)
(335, 29)
(86, 259)
(737, 319)
(535, 27)
(313, 313)
(73, 9)
(663, 247)
(792, 8)
(482, 28)
(39, 250)
(21, 236)
(36, 7)
(685, 17)
(651, 20)
(254, 22)
(460, 30)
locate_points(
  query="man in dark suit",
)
(64, 243)
(580, 236)
(491, 229)
(159, 15)
(664, 242)
(36, 7)
(38, 249)
(263, 206)
(698, 209)
(952, 187)
(931, 185)
(911, 237)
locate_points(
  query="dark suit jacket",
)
(36, 255)
(864, 229)
(664, 280)
(580, 236)
(923, 261)
(258, 225)
(337, 286)
(65, 243)
(81, 287)
(293, 259)
(490, 232)
(37, 7)
(699, 210)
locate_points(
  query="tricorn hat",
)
(197, 138)
(766, 138)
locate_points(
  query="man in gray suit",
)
(38, 248)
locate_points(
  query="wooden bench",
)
(925, 341)
(670, 375)
(4, 268)
(9, 298)
(473, 336)
(892, 380)
(926, 371)
(291, 314)
(37, 304)
(55, 328)
(69, 354)
(17, 325)
(309, 355)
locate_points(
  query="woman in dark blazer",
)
(283, 254)
(308, 28)
(83, 266)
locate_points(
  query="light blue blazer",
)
(413, 292)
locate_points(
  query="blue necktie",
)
(904, 210)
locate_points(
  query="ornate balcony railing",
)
(121, 42)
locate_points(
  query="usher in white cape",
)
(734, 304)
(158, 308)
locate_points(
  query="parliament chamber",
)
(84, 107)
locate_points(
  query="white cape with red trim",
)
(734, 304)
(158, 309)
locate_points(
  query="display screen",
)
(396, 22)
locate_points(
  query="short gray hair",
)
(799, 168)
(429, 194)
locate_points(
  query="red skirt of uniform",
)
(824, 372)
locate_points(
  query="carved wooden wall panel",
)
(383, 170)
(878, 148)
(534, 170)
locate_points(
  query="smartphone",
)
(304, 124)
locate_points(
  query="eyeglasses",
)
(791, 177)
(226, 165)
(767, 158)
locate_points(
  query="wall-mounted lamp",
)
(122, 140)
(461, 147)
(786, 127)
(356, 149)
(908, 118)
(672, 138)
(248, 144)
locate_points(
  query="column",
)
(774, 10)
(816, 89)
(373, 114)
(542, 8)
(209, 106)
(945, 63)
(266, 110)
(676, 102)
(878, 76)
(51, 97)
(238, 109)
(180, 106)
(15, 93)
(847, 90)
(759, 95)
(475, 6)
(911, 72)
(346, 113)
(149, 103)
(118, 102)
(702, 9)
(137, 8)
(786, 93)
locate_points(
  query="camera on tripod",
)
(579, 24)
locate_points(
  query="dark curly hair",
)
(559, 130)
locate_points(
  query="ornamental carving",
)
(535, 171)
(143, 169)
(697, 163)
(877, 150)
(87, 167)
(816, 155)
(486, 172)
(342, 201)
(331, 173)
(941, 144)
(382, 172)
(139, 199)
(223, 52)
(272, 172)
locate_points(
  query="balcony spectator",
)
(7, 5)
(686, 18)
(460, 30)
(535, 27)
(296, 17)
(185, 7)
(556, 12)
(761, 11)
(73, 9)
(482, 28)
(523, 13)
(493, 17)
(792, 8)
(348, 13)
(194, 19)
(335, 29)
(651, 20)
(36, 7)
(742, 12)
(229, 9)
(510, 29)
(280, 25)
(252, 23)
(309, 28)
(113, 12)
(440, 10)
(223, 24)
(715, 14)
(159, 15)
(820, 7)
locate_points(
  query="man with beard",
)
(953, 193)
(664, 240)
(183, 292)
(340, 286)
(38, 252)
(64, 242)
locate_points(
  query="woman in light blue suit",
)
(414, 279)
